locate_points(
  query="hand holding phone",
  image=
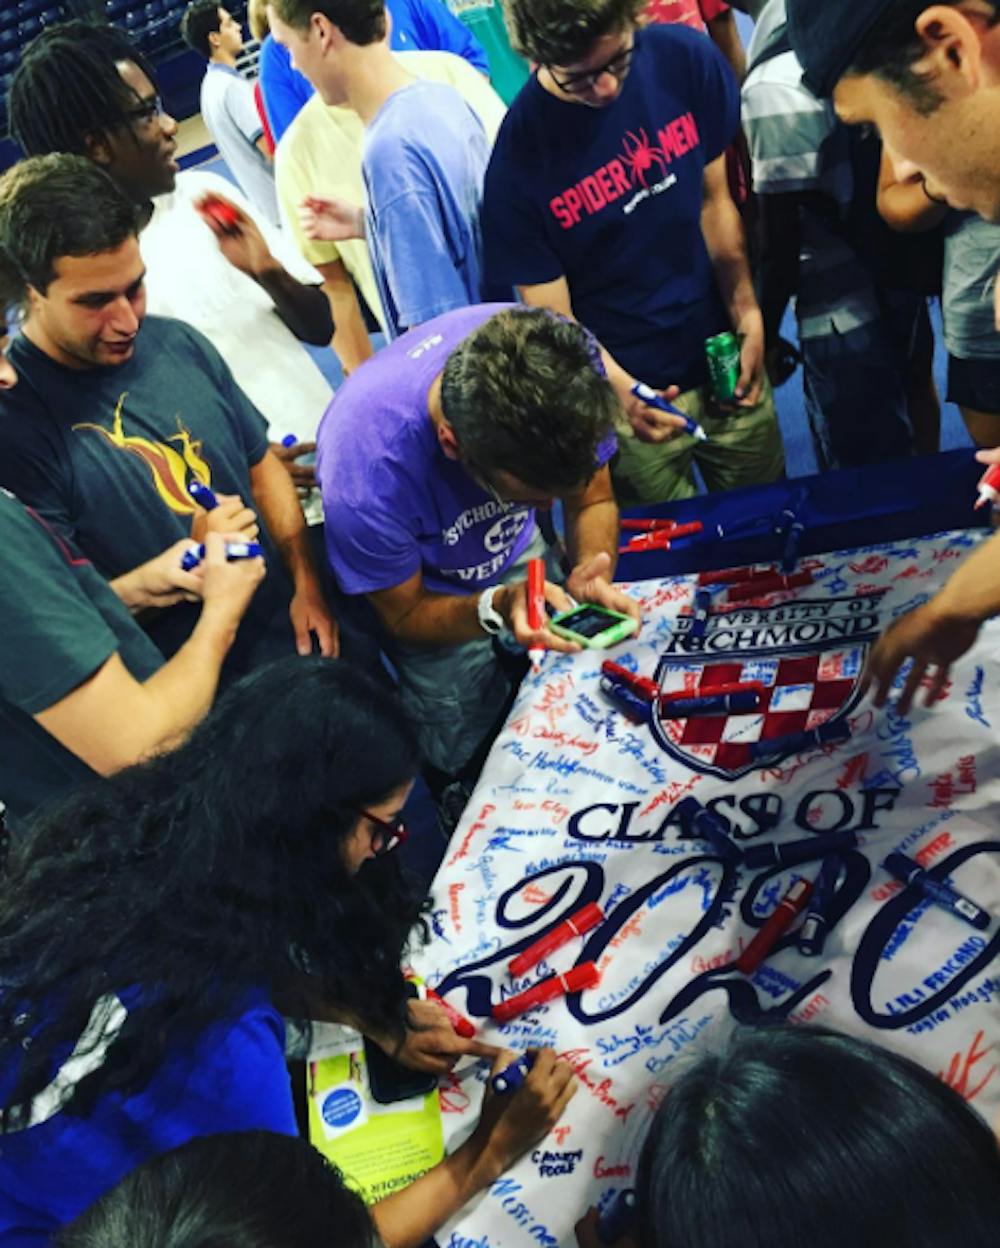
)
(593, 627)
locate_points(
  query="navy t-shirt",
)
(611, 199)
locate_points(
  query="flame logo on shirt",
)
(170, 469)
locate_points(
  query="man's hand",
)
(588, 582)
(512, 604)
(930, 637)
(160, 582)
(514, 1122)
(303, 475)
(231, 517)
(648, 423)
(331, 220)
(750, 386)
(431, 1043)
(227, 586)
(309, 614)
(241, 242)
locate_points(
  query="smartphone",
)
(592, 626)
(389, 1080)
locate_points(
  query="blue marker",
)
(202, 495)
(796, 742)
(708, 826)
(702, 610)
(743, 703)
(812, 934)
(617, 1219)
(910, 872)
(234, 550)
(512, 1076)
(289, 440)
(794, 853)
(629, 703)
(649, 396)
(793, 529)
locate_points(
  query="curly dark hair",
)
(561, 32)
(526, 394)
(67, 89)
(360, 21)
(207, 872)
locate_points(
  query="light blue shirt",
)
(230, 113)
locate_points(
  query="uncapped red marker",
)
(661, 539)
(641, 686)
(792, 904)
(460, 1024)
(736, 576)
(710, 691)
(770, 585)
(536, 607)
(588, 917)
(576, 980)
(989, 487)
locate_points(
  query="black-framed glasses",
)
(148, 111)
(388, 835)
(578, 84)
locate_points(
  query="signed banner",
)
(577, 805)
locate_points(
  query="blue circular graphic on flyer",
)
(341, 1107)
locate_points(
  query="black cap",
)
(827, 35)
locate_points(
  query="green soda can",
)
(723, 355)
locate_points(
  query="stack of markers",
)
(817, 898)
(656, 534)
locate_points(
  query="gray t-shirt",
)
(971, 263)
(230, 112)
(60, 623)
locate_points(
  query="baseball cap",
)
(827, 35)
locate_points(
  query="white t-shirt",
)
(230, 112)
(187, 277)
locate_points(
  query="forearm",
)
(437, 619)
(593, 530)
(130, 588)
(410, 1217)
(725, 240)
(350, 337)
(277, 503)
(972, 594)
(726, 37)
(304, 309)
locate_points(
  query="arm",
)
(350, 337)
(592, 539)
(278, 505)
(726, 38)
(111, 720)
(722, 230)
(160, 582)
(906, 206)
(261, 144)
(650, 425)
(303, 308)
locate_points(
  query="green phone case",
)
(619, 627)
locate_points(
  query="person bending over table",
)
(432, 460)
(155, 922)
(801, 1135)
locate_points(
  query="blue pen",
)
(616, 1220)
(202, 495)
(708, 826)
(234, 550)
(649, 396)
(910, 872)
(702, 610)
(796, 742)
(512, 1076)
(743, 703)
(630, 704)
(816, 924)
(289, 440)
(794, 853)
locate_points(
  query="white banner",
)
(576, 805)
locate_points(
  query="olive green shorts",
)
(744, 448)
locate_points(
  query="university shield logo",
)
(806, 657)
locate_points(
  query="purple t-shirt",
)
(393, 503)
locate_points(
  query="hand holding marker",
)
(646, 394)
(536, 607)
(234, 550)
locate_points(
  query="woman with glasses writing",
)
(156, 925)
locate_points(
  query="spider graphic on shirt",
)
(640, 155)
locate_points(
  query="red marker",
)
(793, 903)
(460, 1024)
(536, 607)
(770, 585)
(222, 213)
(707, 691)
(733, 576)
(590, 916)
(989, 487)
(673, 527)
(576, 980)
(658, 540)
(641, 686)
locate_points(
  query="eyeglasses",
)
(148, 111)
(579, 84)
(387, 836)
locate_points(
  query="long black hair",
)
(249, 1189)
(798, 1135)
(206, 872)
